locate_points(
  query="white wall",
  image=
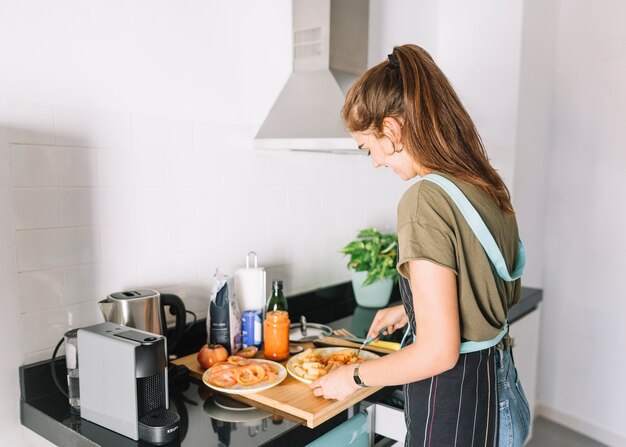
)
(478, 47)
(584, 319)
(534, 131)
(400, 22)
(128, 133)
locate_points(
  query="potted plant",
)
(373, 258)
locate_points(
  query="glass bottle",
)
(277, 300)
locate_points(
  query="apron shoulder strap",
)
(481, 231)
(491, 248)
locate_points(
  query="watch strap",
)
(357, 377)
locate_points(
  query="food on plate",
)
(248, 352)
(313, 364)
(238, 360)
(241, 371)
(211, 354)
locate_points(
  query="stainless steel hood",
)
(329, 52)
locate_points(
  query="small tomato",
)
(211, 354)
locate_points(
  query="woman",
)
(405, 115)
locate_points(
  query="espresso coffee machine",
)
(123, 382)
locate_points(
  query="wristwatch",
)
(357, 378)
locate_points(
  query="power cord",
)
(195, 319)
(54, 370)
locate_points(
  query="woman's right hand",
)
(391, 317)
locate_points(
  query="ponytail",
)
(437, 131)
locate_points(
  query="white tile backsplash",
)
(183, 266)
(75, 166)
(93, 282)
(116, 168)
(149, 168)
(151, 237)
(163, 204)
(52, 166)
(42, 289)
(222, 138)
(77, 207)
(42, 249)
(181, 169)
(118, 242)
(36, 208)
(208, 171)
(157, 133)
(109, 202)
(83, 283)
(45, 328)
(241, 236)
(113, 205)
(205, 136)
(30, 123)
(183, 204)
(39, 249)
(182, 236)
(33, 166)
(90, 206)
(155, 271)
(244, 170)
(92, 128)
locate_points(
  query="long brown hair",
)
(437, 131)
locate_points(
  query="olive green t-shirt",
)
(430, 226)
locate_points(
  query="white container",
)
(250, 285)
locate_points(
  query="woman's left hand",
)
(338, 384)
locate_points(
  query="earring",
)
(397, 150)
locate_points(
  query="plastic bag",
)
(223, 317)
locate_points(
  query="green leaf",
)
(374, 253)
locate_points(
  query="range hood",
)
(329, 52)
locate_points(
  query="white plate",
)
(240, 389)
(323, 351)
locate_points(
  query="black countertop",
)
(205, 421)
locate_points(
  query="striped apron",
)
(458, 407)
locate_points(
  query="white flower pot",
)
(376, 294)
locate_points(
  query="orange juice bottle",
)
(276, 338)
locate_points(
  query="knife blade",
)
(391, 345)
(335, 341)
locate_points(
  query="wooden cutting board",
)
(291, 398)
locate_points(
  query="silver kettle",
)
(144, 310)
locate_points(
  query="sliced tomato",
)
(222, 366)
(270, 368)
(224, 378)
(269, 376)
(237, 360)
(250, 374)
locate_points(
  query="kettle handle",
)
(177, 307)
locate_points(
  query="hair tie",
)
(393, 60)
